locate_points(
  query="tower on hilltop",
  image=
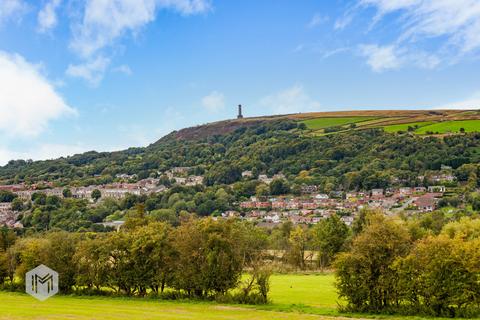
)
(240, 116)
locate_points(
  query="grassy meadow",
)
(293, 296)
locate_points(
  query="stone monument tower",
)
(240, 116)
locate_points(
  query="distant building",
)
(377, 192)
(425, 203)
(247, 173)
(309, 188)
(436, 189)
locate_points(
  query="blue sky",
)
(108, 74)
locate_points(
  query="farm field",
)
(451, 126)
(322, 123)
(404, 126)
(393, 121)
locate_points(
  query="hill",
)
(390, 120)
(327, 144)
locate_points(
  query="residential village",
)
(309, 208)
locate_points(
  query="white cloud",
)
(47, 16)
(107, 20)
(317, 20)
(291, 100)
(125, 69)
(380, 58)
(472, 102)
(214, 102)
(103, 22)
(457, 22)
(28, 101)
(41, 152)
(11, 8)
(91, 71)
(383, 58)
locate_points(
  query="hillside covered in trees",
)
(353, 159)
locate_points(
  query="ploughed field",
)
(310, 296)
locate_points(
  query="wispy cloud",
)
(11, 9)
(47, 16)
(291, 100)
(455, 24)
(214, 102)
(92, 71)
(125, 69)
(317, 20)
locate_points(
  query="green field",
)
(287, 291)
(299, 297)
(312, 290)
(322, 123)
(451, 126)
(404, 126)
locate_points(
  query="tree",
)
(58, 254)
(153, 256)
(92, 261)
(209, 260)
(297, 245)
(262, 190)
(7, 238)
(3, 267)
(67, 193)
(39, 198)
(328, 239)
(278, 187)
(165, 215)
(7, 196)
(17, 204)
(365, 276)
(96, 194)
(440, 276)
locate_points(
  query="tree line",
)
(398, 266)
(201, 258)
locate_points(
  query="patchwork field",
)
(423, 122)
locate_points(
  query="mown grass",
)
(316, 290)
(294, 296)
(322, 123)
